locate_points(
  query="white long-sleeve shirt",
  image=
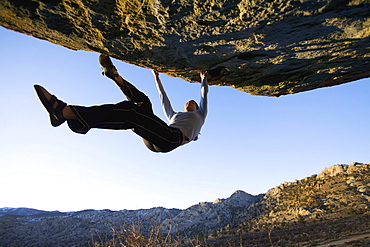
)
(190, 123)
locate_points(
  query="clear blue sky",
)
(249, 143)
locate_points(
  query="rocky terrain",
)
(263, 47)
(328, 206)
(321, 208)
(73, 228)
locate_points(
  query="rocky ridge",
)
(261, 47)
(206, 216)
(335, 189)
(337, 193)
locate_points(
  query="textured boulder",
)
(263, 47)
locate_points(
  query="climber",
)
(136, 113)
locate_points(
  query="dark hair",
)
(197, 106)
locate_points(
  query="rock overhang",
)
(268, 48)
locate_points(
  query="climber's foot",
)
(108, 68)
(53, 105)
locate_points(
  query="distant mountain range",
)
(22, 211)
(338, 193)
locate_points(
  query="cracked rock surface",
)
(262, 47)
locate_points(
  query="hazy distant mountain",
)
(338, 197)
(21, 211)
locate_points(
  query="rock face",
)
(263, 47)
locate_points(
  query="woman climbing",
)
(135, 113)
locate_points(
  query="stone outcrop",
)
(335, 192)
(341, 169)
(263, 47)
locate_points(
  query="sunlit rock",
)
(261, 47)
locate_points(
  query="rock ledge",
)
(261, 47)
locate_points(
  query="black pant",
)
(136, 114)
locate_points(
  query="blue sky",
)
(249, 143)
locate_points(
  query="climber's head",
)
(191, 105)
